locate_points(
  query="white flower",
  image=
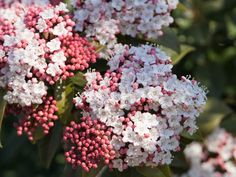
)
(90, 77)
(162, 158)
(9, 40)
(59, 29)
(117, 4)
(41, 25)
(47, 14)
(117, 142)
(39, 89)
(54, 44)
(162, 69)
(81, 14)
(161, 7)
(129, 135)
(114, 63)
(59, 58)
(166, 101)
(53, 69)
(9, 14)
(117, 127)
(118, 163)
(143, 78)
(173, 3)
(2, 53)
(231, 168)
(61, 7)
(154, 93)
(40, 64)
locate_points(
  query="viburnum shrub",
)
(118, 104)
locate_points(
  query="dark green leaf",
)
(38, 134)
(3, 104)
(49, 145)
(215, 110)
(69, 5)
(130, 172)
(99, 47)
(78, 79)
(166, 170)
(212, 76)
(160, 171)
(169, 40)
(184, 50)
(69, 172)
(175, 56)
(197, 136)
(179, 161)
(64, 95)
(229, 124)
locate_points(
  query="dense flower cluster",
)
(38, 47)
(103, 19)
(39, 119)
(216, 157)
(7, 3)
(146, 106)
(87, 143)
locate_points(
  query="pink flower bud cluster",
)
(38, 119)
(6, 28)
(146, 105)
(103, 19)
(80, 53)
(38, 47)
(87, 143)
(215, 157)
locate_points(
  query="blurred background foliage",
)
(202, 43)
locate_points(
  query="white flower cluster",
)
(144, 103)
(25, 53)
(203, 164)
(95, 18)
(24, 2)
(103, 19)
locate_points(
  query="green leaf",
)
(69, 5)
(99, 47)
(69, 172)
(214, 112)
(182, 7)
(38, 134)
(177, 56)
(160, 171)
(169, 40)
(3, 104)
(64, 95)
(130, 172)
(79, 172)
(166, 170)
(211, 75)
(49, 145)
(197, 136)
(184, 50)
(179, 161)
(229, 124)
(78, 79)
